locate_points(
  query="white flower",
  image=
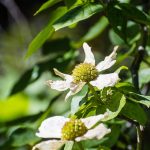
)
(53, 128)
(87, 72)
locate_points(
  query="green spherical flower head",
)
(84, 72)
(72, 129)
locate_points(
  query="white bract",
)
(53, 128)
(87, 72)
(49, 145)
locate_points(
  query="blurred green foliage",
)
(25, 101)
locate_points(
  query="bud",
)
(106, 95)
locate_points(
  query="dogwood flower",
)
(86, 72)
(67, 129)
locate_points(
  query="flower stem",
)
(80, 146)
(139, 138)
(138, 129)
(93, 91)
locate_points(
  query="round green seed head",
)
(84, 72)
(72, 129)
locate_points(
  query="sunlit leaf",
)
(121, 68)
(77, 14)
(73, 3)
(46, 5)
(113, 109)
(39, 40)
(112, 104)
(13, 107)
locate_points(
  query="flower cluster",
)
(66, 129)
(60, 129)
(86, 72)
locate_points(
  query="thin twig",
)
(139, 137)
(139, 129)
(136, 65)
(139, 57)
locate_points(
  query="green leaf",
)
(113, 109)
(46, 33)
(77, 14)
(130, 93)
(145, 100)
(135, 14)
(59, 61)
(117, 20)
(46, 5)
(96, 29)
(88, 144)
(133, 32)
(135, 112)
(75, 103)
(113, 104)
(121, 68)
(73, 3)
(103, 148)
(113, 136)
(39, 40)
(77, 146)
(115, 38)
(70, 3)
(69, 145)
(87, 109)
(59, 45)
(23, 136)
(14, 107)
(125, 87)
(25, 80)
(144, 75)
